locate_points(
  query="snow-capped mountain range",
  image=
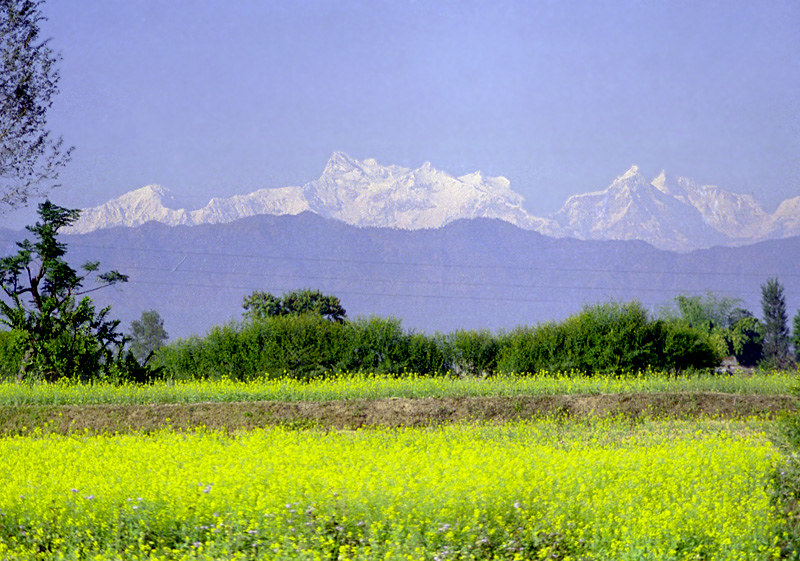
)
(668, 212)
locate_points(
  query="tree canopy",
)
(61, 332)
(147, 335)
(30, 159)
(732, 329)
(263, 304)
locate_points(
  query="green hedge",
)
(606, 338)
(302, 347)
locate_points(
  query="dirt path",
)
(392, 412)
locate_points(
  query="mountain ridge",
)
(673, 213)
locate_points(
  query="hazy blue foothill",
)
(469, 274)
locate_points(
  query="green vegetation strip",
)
(365, 387)
(597, 489)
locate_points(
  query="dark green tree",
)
(30, 160)
(61, 334)
(774, 324)
(147, 335)
(732, 330)
(263, 305)
(744, 337)
(796, 336)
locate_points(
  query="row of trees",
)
(56, 331)
(736, 331)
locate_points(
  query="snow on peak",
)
(668, 212)
(339, 162)
(633, 171)
(660, 182)
(358, 192)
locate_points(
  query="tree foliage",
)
(30, 159)
(732, 330)
(610, 338)
(796, 336)
(259, 305)
(147, 335)
(774, 323)
(61, 334)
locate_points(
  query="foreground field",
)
(549, 489)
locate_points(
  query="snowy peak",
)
(633, 172)
(668, 212)
(366, 193)
(358, 192)
(339, 163)
(631, 208)
(132, 209)
(672, 213)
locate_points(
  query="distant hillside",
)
(468, 274)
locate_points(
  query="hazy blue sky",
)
(213, 98)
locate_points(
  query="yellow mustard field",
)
(338, 386)
(604, 489)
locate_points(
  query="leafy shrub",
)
(300, 346)
(381, 346)
(376, 345)
(473, 353)
(606, 338)
(10, 354)
(685, 348)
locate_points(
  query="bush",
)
(606, 338)
(375, 345)
(381, 346)
(10, 354)
(472, 353)
(301, 347)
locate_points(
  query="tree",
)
(30, 160)
(706, 312)
(263, 304)
(744, 337)
(774, 323)
(60, 336)
(147, 335)
(733, 330)
(796, 336)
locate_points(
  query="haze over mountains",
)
(468, 274)
(437, 251)
(673, 213)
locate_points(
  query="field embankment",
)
(388, 412)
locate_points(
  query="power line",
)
(539, 267)
(379, 294)
(394, 281)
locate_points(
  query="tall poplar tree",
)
(775, 328)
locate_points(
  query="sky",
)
(215, 98)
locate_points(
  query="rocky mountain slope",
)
(673, 213)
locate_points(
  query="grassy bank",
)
(366, 387)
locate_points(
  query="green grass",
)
(348, 387)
